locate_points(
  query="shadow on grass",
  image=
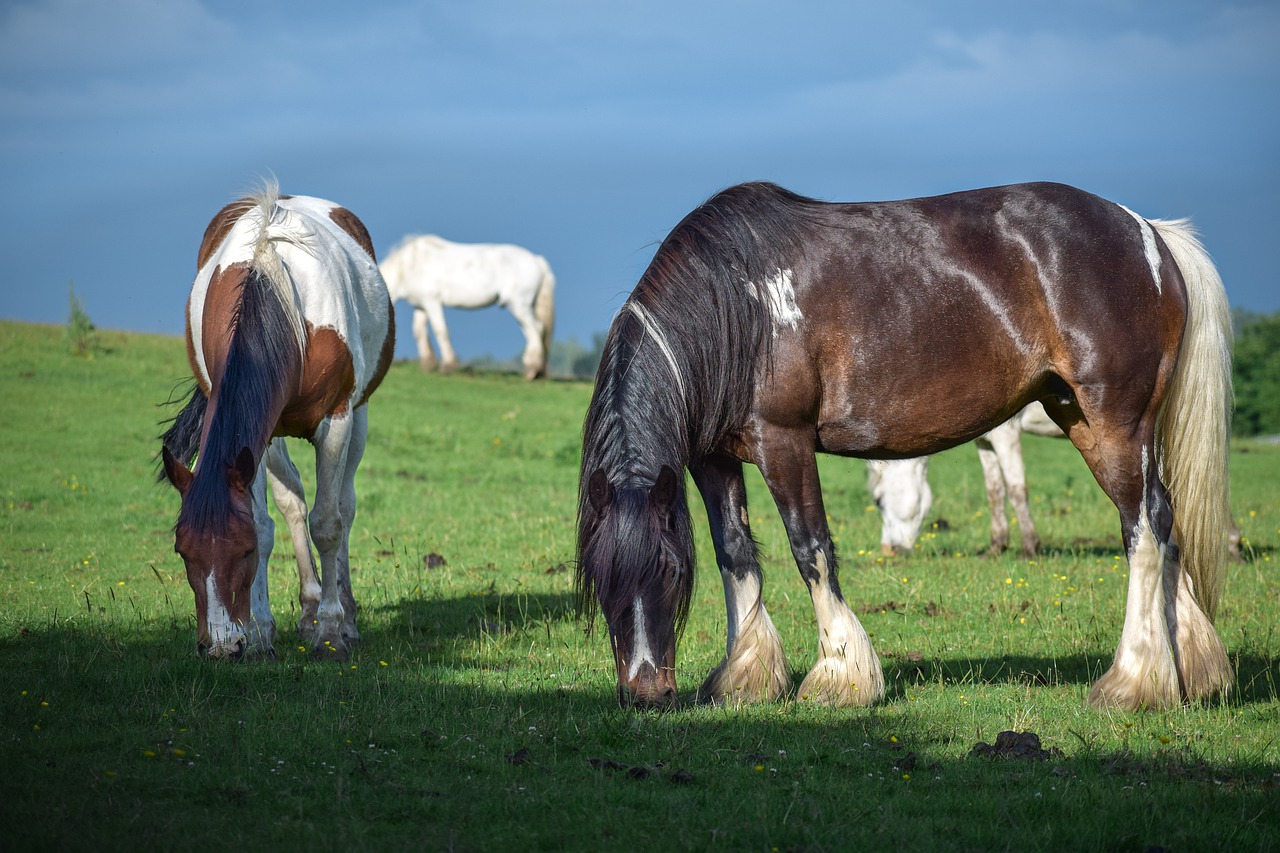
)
(1257, 678)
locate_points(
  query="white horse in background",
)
(900, 487)
(430, 272)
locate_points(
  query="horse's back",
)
(334, 282)
(926, 321)
(464, 275)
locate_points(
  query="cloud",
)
(57, 36)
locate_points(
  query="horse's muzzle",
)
(650, 690)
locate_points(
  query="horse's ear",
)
(243, 469)
(599, 492)
(663, 493)
(177, 473)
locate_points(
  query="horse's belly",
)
(917, 422)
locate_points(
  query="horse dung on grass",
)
(770, 327)
(289, 330)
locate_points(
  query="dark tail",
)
(182, 438)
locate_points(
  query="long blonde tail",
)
(544, 308)
(1195, 423)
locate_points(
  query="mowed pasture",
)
(477, 712)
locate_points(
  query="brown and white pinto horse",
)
(289, 330)
(769, 327)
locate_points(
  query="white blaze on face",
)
(641, 653)
(1148, 245)
(223, 632)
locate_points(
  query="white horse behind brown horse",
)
(430, 272)
(900, 487)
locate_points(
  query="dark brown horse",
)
(289, 330)
(770, 327)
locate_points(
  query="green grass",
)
(478, 714)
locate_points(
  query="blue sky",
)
(585, 130)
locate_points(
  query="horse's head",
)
(635, 554)
(900, 489)
(220, 550)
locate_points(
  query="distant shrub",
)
(81, 334)
(1256, 373)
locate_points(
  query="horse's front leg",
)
(426, 356)
(754, 667)
(1006, 442)
(339, 446)
(261, 631)
(993, 481)
(286, 489)
(848, 670)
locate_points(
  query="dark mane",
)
(670, 401)
(262, 355)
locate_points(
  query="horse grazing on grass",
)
(289, 330)
(900, 487)
(430, 272)
(769, 327)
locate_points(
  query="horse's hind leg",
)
(535, 355)
(754, 667)
(1168, 648)
(286, 489)
(848, 670)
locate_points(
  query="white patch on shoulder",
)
(641, 653)
(782, 300)
(1148, 245)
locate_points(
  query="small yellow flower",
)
(906, 776)
(759, 768)
(179, 753)
(382, 663)
(111, 774)
(893, 738)
(1164, 738)
(148, 753)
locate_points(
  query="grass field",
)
(478, 714)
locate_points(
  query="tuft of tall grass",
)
(81, 333)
